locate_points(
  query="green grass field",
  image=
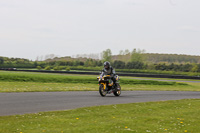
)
(41, 82)
(159, 117)
(50, 87)
(66, 78)
(162, 117)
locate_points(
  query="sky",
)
(31, 28)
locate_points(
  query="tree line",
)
(135, 59)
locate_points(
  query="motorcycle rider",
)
(108, 69)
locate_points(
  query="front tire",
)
(118, 90)
(102, 91)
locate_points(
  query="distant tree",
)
(88, 63)
(56, 68)
(81, 63)
(194, 68)
(76, 63)
(135, 65)
(171, 67)
(198, 67)
(119, 64)
(126, 52)
(137, 55)
(67, 69)
(99, 63)
(91, 56)
(37, 58)
(161, 66)
(1, 60)
(47, 68)
(49, 56)
(121, 52)
(107, 55)
(39, 67)
(187, 67)
(35, 64)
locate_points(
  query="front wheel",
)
(118, 90)
(102, 91)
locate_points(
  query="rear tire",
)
(118, 90)
(102, 91)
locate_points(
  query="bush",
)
(67, 69)
(56, 68)
(39, 67)
(47, 68)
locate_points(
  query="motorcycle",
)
(108, 87)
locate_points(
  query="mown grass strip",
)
(51, 87)
(52, 78)
(169, 116)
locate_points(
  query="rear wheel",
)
(118, 90)
(102, 91)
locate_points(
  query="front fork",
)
(104, 86)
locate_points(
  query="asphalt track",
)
(34, 102)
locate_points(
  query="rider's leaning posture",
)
(108, 69)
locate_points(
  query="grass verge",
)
(168, 116)
(42, 82)
(51, 87)
(64, 78)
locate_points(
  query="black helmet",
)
(106, 65)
